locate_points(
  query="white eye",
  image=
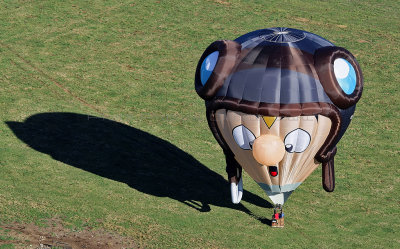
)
(297, 141)
(243, 137)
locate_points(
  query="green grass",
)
(7, 246)
(133, 63)
(5, 240)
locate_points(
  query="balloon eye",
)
(345, 75)
(297, 141)
(289, 148)
(208, 66)
(243, 137)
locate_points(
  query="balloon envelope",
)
(278, 101)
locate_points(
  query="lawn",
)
(102, 132)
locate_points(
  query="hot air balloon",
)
(278, 101)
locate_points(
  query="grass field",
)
(102, 132)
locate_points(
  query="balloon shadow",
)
(126, 154)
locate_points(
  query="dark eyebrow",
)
(282, 118)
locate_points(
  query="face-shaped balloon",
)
(278, 101)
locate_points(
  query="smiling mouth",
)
(273, 170)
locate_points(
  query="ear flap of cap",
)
(340, 75)
(216, 63)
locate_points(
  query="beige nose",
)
(268, 150)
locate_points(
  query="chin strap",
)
(234, 171)
(328, 175)
(236, 190)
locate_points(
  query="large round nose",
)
(268, 149)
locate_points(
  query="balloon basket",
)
(278, 217)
